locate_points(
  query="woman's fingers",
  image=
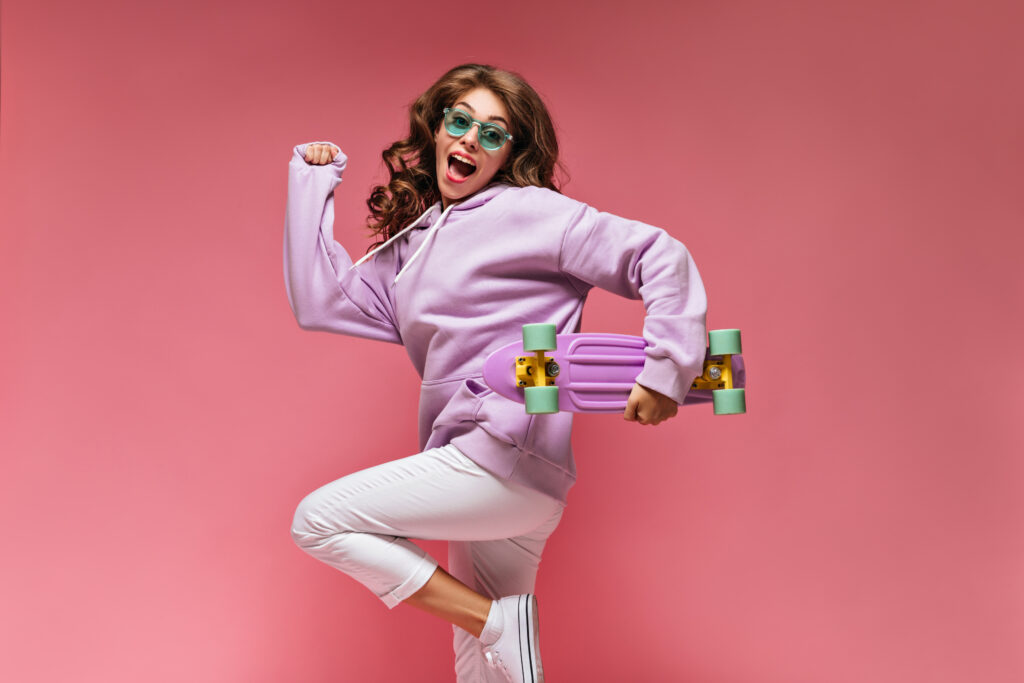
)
(320, 154)
(631, 406)
(649, 407)
(637, 405)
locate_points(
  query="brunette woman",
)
(474, 241)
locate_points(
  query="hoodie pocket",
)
(475, 402)
(500, 417)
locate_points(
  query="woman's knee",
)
(310, 526)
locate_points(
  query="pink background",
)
(847, 176)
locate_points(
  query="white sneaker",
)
(517, 650)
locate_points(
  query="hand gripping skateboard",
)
(595, 373)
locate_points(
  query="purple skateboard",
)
(595, 373)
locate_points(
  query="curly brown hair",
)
(411, 164)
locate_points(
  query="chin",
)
(456, 193)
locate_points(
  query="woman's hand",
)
(320, 153)
(648, 407)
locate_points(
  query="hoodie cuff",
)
(662, 375)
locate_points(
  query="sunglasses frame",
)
(482, 124)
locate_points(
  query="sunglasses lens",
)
(457, 122)
(492, 137)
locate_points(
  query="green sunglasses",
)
(457, 122)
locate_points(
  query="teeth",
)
(465, 159)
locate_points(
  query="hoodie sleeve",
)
(639, 261)
(324, 292)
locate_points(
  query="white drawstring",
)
(433, 228)
(430, 233)
(396, 236)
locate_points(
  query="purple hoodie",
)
(460, 283)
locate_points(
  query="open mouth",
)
(460, 168)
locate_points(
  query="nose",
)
(470, 136)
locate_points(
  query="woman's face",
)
(458, 179)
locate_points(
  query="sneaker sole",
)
(528, 633)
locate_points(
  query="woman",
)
(476, 241)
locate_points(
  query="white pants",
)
(360, 524)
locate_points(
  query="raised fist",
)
(320, 153)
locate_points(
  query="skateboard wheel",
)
(541, 400)
(539, 337)
(729, 401)
(724, 342)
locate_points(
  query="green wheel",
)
(541, 400)
(729, 401)
(724, 341)
(539, 337)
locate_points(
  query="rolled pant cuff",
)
(428, 565)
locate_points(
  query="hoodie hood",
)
(480, 198)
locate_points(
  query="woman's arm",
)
(639, 261)
(323, 291)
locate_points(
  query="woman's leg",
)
(496, 569)
(360, 524)
(448, 598)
